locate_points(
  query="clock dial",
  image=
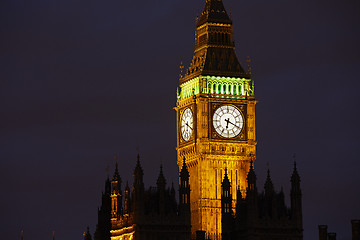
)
(186, 124)
(228, 121)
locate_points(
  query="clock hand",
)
(233, 124)
(227, 122)
(188, 125)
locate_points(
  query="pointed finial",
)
(248, 61)
(196, 20)
(181, 69)
(294, 156)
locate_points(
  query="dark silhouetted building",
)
(261, 216)
(144, 214)
(103, 226)
(355, 230)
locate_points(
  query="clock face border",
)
(242, 136)
(181, 138)
(230, 116)
(189, 114)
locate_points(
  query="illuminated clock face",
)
(228, 121)
(186, 124)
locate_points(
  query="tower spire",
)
(296, 196)
(226, 207)
(116, 194)
(127, 206)
(88, 235)
(138, 188)
(161, 181)
(184, 191)
(270, 208)
(268, 187)
(214, 12)
(214, 46)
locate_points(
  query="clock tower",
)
(215, 118)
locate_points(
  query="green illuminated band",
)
(217, 87)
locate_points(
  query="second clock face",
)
(186, 124)
(228, 121)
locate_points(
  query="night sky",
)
(82, 81)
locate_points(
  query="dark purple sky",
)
(81, 81)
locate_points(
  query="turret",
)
(127, 200)
(270, 209)
(239, 200)
(251, 195)
(184, 191)
(332, 236)
(108, 186)
(281, 207)
(138, 188)
(355, 227)
(295, 196)
(161, 181)
(323, 232)
(161, 184)
(103, 226)
(116, 195)
(87, 236)
(251, 181)
(226, 208)
(269, 186)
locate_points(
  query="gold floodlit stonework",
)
(215, 78)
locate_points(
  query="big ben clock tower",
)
(215, 118)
